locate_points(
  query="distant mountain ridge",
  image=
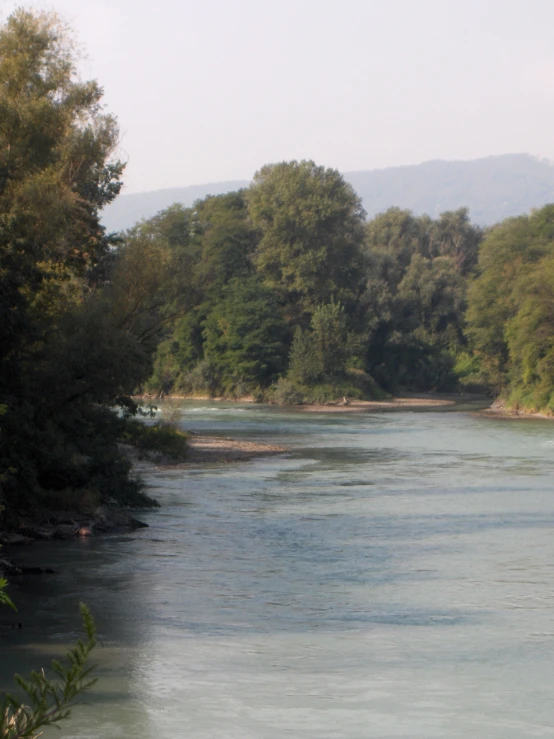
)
(493, 188)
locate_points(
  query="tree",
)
(311, 231)
(226, 242)
(64, 363)
(506, 255)
(530, 337)
(176, 355)
(412, 309)
(245, 336)
(321, 353)
(56, 170)
(432, 294)
(453, 235)
(391, 239)
(511, 309)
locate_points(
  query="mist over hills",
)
(493, 188)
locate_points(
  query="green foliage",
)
(213, 243)
(387, 297)
(511, 309)
(305, 366)
(226, 242)
(322, 352)
(330, 339)
(74, 336)
(5, 599)
(49, 701)
(178, 355)
(158, 437)
(467, 369)
(202, 379)
(245, 336)
(354, 385)
(431, 298)
(311, 231)
(415, 298)
(453, 235)
(286, 392)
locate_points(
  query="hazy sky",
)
(209, 90)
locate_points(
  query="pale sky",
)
(210, 90)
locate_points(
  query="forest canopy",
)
(327, 303)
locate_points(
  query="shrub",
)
(158, 437)
(285, 392)
(202, 378)
(49, 701)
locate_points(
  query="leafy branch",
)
(5, 599)
(49, 701)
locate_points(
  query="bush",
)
(356, 385)
(48, 701)
(285, 392)
(202, 378)
(158, 437)
(467, 369)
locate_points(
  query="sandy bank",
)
(337, 406)
(217, 449)
(206, 450)
(355, 406)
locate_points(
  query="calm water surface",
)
(392, 577)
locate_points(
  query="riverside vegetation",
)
(283, 291)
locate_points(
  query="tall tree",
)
(412, 309)
(244, 336)
(311, 231)
(453, 235)
(63, 365)
(511, 309)
(226, 241)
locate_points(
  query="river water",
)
(393, 576)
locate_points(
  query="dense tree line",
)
(292, 295)
(283, 290)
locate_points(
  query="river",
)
(393, 576)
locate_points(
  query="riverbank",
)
(499, 410)
(342, 405)
(55, 525)
(356, 406)
(207, 450)
(215, 449)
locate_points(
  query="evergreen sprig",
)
(5, 599)
(49, 701)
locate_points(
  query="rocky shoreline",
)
(59, 525)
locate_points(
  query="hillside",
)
(492, 188)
